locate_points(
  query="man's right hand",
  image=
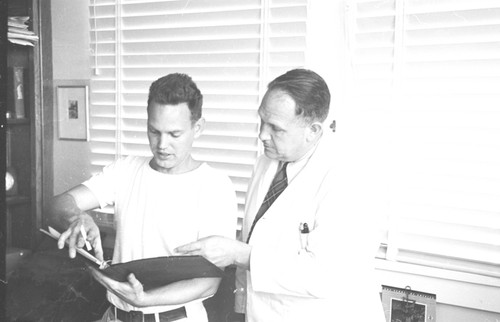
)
(221, 251)
(74, 238)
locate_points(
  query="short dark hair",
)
(309, 91)
(174, 89)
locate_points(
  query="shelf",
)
(23, 135)
(17, 200)
(20, 121)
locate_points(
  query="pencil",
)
(84, 235)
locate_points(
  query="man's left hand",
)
(130, 291)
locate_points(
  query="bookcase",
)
(23, 134)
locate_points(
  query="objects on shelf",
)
(18, 31)
(16, 92)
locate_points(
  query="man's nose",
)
(264, 132)
(163, 141)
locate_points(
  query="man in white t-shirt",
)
(160, 203)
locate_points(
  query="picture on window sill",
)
(407, 305)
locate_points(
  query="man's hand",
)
(75, 239)
(130, 291)
(219, 250)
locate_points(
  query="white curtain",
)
(431, 69)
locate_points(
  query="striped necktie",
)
(280, 182)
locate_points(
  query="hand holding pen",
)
(82, 232)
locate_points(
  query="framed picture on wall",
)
(72, 111)
(405, 304)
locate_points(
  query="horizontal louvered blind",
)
(231, 49)
(433, 69)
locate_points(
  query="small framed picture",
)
(72, 111)
(405, 304)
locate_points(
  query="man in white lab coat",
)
(309, 256)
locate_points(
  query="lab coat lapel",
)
(263, 176)
(295, 197)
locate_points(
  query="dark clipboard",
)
(152, 272)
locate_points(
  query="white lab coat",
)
(328, 274)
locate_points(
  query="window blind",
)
(231, 49)
(432, 68)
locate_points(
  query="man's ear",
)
(314, 131)
(199, 126)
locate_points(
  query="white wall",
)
(445, 313)
(70, 30)
(326, 50)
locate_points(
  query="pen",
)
(84, 235)
(304, 230)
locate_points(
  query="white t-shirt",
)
(157, 212)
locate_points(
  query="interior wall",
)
(71, 63)
(326, 49)
(459, 314)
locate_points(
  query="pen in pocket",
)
(304, 230)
